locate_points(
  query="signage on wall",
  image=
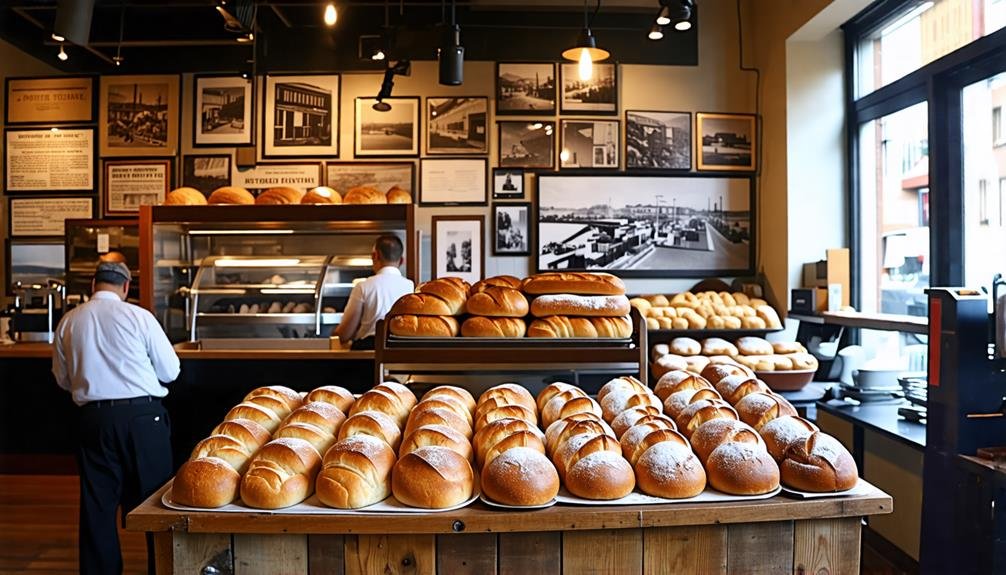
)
(263, 176)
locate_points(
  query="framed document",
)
(49, 160)
(224, 111)
(458, 249)
(55, 100)
(302, 176)
(129, 184)
(344, 176)
(138, 115)
(300, 116)
(46, 216)
(453, 181)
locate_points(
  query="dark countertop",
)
(882, 418)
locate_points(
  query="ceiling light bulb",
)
(663, 17)
(379, 55)
(585, 67)
(331, 16)
(683, 25)
(58, 38)
(656, 33)
(564, 156)
(62, 54)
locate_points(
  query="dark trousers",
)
(363, 344)
(124, 456)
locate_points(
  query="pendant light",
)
(585, 52)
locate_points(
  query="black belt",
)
(127, 401)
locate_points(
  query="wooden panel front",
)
(602, 551)
(698, 549)
(268, 554)
(530, 553)
(827, 546)
(390, 554)
(756, 548)
(473, 554)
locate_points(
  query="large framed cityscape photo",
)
(300, 116)
(138, 115)
(646, 225)
(225, 111)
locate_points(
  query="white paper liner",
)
(636, 498)
(492, 503)
(861, 488)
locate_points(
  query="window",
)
(997, 126)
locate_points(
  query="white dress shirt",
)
(372, 299)
(110, 349)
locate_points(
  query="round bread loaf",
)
(602, 475)
(492, 433)
(712, 434)
(364, 195)
(635, 434)
(185, 197)
(581, 306)
(556, 402)
(333, 394)
(491, 403)
(562, 436)
(324, 416)
(513, 393)
(577, 446)
(714, 372)
(669, 469)
(495, 301)
(718, 346)
(461, 394)
(520, 476)
(321, 195)
(615, 403)
(521, 439)
(678, 401)
(230, 195)
(281, 474)
(696, 363)
(555, 410)
(397, 195)
(782, 432)
(273, 404)
(356, 472)
(668, 363)
(506, 281)
(785, 347)
(423, 325)
(373, 423)
(446, 402)
(276, 196)
(436, 435)
(558, 431)
(679, 380)
(384, 402)
(291, 397)
(749, 345)
(452, 293)
(819, 464)
(659, 350)
(425, 414)
(803, 361)
(503, 327)
(742, 469)
(757, 409)
(651, 439)
(581, 283)
(550, 391)
(208, 483)
(260, 415)
(512, 411)
(623, 421)
(620, 384)
(320, 439)
(701, 411)
(432, 478)
(244, 430)
(734, 387)
(685, 346)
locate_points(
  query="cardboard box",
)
(832, 270)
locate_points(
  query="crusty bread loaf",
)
(742, 469)
(701, 411)
(321, 195)
(718, 346)
(402, 392)
(273, 404)
(207, 482)
(423, 415)
(432, 478)
(757, 409)
(679, 400)
(612, 327)
(696, 363)
(623, 421)
(557, 408)
(281, 474)
(550, 391)
(573, 283)
(669, 469)
(557, 326)
(506, 412)
(423, 325)
(333, 394)
(372, 423)
(384, 402)
(601, 475)
(576, 446)
(782, 432)
(231, 195)
(291, 397)
(506, 281)
(356, 472)
(522, 439)
(246, 431)
(580, 305)
(436, 435)
(185, 197)
(491, 434)
(650, 439)
(803, 361)
(635, 434)
(320, 439)
(734, 387)
(495, 301)
(520, 476)
(712, 434)
(768, 315)
(617, 402)
(454, 295)
(324, 416)
(276, 196)
(426, 304)
(513, 393)
(678, 380)
(549, 411)
(503, 327)
(459, 394)
(666, 364)
(785, 347)
(364, 195)
(685, 346)
(233, 451)
(749, 345)
(260, 415)
(563, 429)
(714, 372)
(623, 384)
(819, 463)
(396, 195)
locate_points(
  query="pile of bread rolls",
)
(568, 304)
(234, 195)
(497, 309)
(706, 310)
(510, 449)
(755, 353)
(431, 311)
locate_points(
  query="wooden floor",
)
(38, 527)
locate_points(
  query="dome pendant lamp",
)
(585, 52)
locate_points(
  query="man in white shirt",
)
(112, 357)
(372, 298)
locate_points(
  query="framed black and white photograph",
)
(224, 111)
(727, 142)
(589, 144)
(525, 88)
(508, 184)
(658, 140)
(138, 115)
(344, 176)
(453, 181)
(206, 173)
(394, 132)
(512, 229)
(457, 125)
(597, 94)
(646, 225)
(458, 248)
(35, 261)
(300, 116)
(526, 144)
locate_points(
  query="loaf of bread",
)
(244, 430)
(276, 196)
(782, 432)
(685, 346)
(451, 292)
(423, 416)
(320, 439)
(496, 301)
(666, 467)
(635, 434)
(757, 409)
(767, 314)
(558, 326)
(396, 195)
(490, 435)
(374, 424)
(785, 347)
(714, 372)
(520, 476)
(818, 463)
(427, 304)
(432, 478)
(623, 421)
(749, 345)
(734, 387)
(678, 380)
(281, 474)
(701, 411)
(287, 395)
(364, 195)
(718, 346)
(321, 195)
(502, 327)
(678, 401)
(521, 439)
(512, 411)
(273, 404)
(333, 394)
(559, 408)
(423, 325)
(231, 195)
(579, 424)
(260, 415)
(601, 475)
(668, 363)
(356, 472)
(438, 436)
(458, 395)
(615, 403)
(496, 281)
(185, 197)
(324, 416)
(696, 363)
(580, 305)
(712, 434)
(574, 445)
(212, 475)
(385, 402)
(573, 283)
(550, 391)
(742, 469)
(512, 393)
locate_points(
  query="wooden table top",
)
(152, 515)
(28, 349)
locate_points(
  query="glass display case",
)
(266, 272)
(87, 241)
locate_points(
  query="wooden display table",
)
(773, 535)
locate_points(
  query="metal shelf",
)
(268, 318)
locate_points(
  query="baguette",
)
(448, 290)
(501, 281)
(426, 304)
(578, 305)
(573, 283)
(495, 301)
(504, 327)
(423, 325)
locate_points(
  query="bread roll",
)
(666, 364)
(573, 283)
(669, 469)
(427, 304)
(320, 439)
(659, 350)
(281, 474)
(718, 346)
(512, 411)
(495, 301)
(384, 402)
(289, 396)
(364, 195)
(260, 415)
(432, 478)
(402, 392)
(273, 404)
(558, 326)
(742, 469)
(577, 305)
(356, 472)
(246, 431)
(550, 391)
(635, 434)
(436, 435)
(651, 439)
(324, 416)
(768, 315)
(679, 380)
(396, 195)
(513, 393)
(754, 346)
(453, 294)
(233, 451)
(715, 372)
(332, 394)
(685, 346)
(757, 409)
(185, 197)
(492, 433)
(624, 384)
(820, 464)
(321, 195)
(678, 401)
(372, 423)
(601, 475)
(735, 387)
(521, 439)
(207, 482)
(231, 195)
(556, 401)
(579, 445)
(558, 432)
(422, 415)
(803, 361)
(757, 363)
(712, 434)
(782, 432)
(450, 392)
(786, 347)
(701, 411)
(276, 196)
(520, 476)
(623, 421)
(423, 325)
(557, 408)
(612, 327)
(503, 327)
(615, 403)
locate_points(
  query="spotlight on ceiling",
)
(58, 38)
(585, 52)
(118, 60)
(680, 14)
(656, 32)
(331, 16)
(73, 21)
(370, 47)
(63, 56)
(400, 68)
(663, 16)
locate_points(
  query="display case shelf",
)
(268, 318)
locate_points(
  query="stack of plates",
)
(873, 394)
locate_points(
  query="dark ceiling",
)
(189, 35)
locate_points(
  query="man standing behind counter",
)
(372, 298)
(111, 356)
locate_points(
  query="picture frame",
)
(525, 144)
(457, 125)
(525, 88)
(726, 142)
(508, 184)
(590, 144)
(394, 133)
(450, 234)
(343, 176)
(206, 172)
(512, 229)
(596, 96)
(68, 154)
(49, 100)
(453, 181)
(300, 115)
(35, 217)
(129, 183)
(223, 111)
(139, 115)
(658, 140)
(34, 261)
(646, 225)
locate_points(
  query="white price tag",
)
(102, 243)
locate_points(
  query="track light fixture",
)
(400, 68)
(681, 14)
(63, 56)
(451, 55)
(656, 32)
(58, 38)
(585, 52)
(663, 16)
(73, 21)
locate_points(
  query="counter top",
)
(30, 349)
(189, 350)
(882, 418)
